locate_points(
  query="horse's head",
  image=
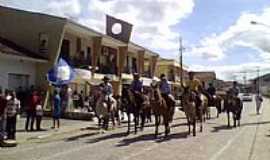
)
(155, 93)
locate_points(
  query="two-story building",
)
(171, 68)
(91, 53)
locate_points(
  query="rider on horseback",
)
(211, 90)
(165, 90)
(195, 86)
(137, 87)
(234, 91)
(107, 91)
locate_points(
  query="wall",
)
(85, 42)
(24, 28)
(16, 66)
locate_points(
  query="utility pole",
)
(181, 60)
(258, 79)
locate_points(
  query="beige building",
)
(52, 37)
(171, 68)
(206, 77)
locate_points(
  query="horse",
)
(192, 109)
(133, 104)
(160, 109)
(103, 112)
(204, 106)
(234, 105)
(215, 101)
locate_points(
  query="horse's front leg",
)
(128, 116)
(142, 121)
(136, 117)
(228, 117)
(194, 127)
(234, 119)
(156, 125)
(166, 125)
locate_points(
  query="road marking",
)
(228, 144)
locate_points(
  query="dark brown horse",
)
(233, 105)
(160, 109)
(133, 103)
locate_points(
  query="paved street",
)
(217, 142)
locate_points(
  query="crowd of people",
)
(30, 102)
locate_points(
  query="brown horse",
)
(215, 101)
(192, 110)
(233, 105)
(160, 109)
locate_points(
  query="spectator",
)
(31, 111)
(56, 109)
(81, 99)
(39, 114)
(64, 99)
(76, 99)
(3, 103)
(13, 106)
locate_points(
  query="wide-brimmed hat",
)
(106, 78)
(136, 74)
(162, 76)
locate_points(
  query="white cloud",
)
(152, 19)
(64, 8)
(228, 72)
(242, 33)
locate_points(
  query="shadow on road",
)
(23, 130)
(255, 123)
(219, 128)
(74, 138)
(151, 137)
(107, 137)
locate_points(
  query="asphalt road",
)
(251, 141)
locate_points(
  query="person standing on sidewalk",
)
(3, 104)
(39, 113)
(13, 106)
(31, 111)
(259, 100)
(56, 110)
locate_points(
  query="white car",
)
(246, 97)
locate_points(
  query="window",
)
(65, 50)
(108, 60)
(79, 45)
(89, 56)
(134, 65)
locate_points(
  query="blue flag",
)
(62, 73)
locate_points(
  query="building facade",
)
(51, 37)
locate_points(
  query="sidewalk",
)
(48, 134)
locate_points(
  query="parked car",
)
(246, 97)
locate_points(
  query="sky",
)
(217, 34)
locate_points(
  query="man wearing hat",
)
(165, 89)
(136, 85)
(195, 86)
(137, 88)
(107, 90)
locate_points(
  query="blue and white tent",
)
(62, 73)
